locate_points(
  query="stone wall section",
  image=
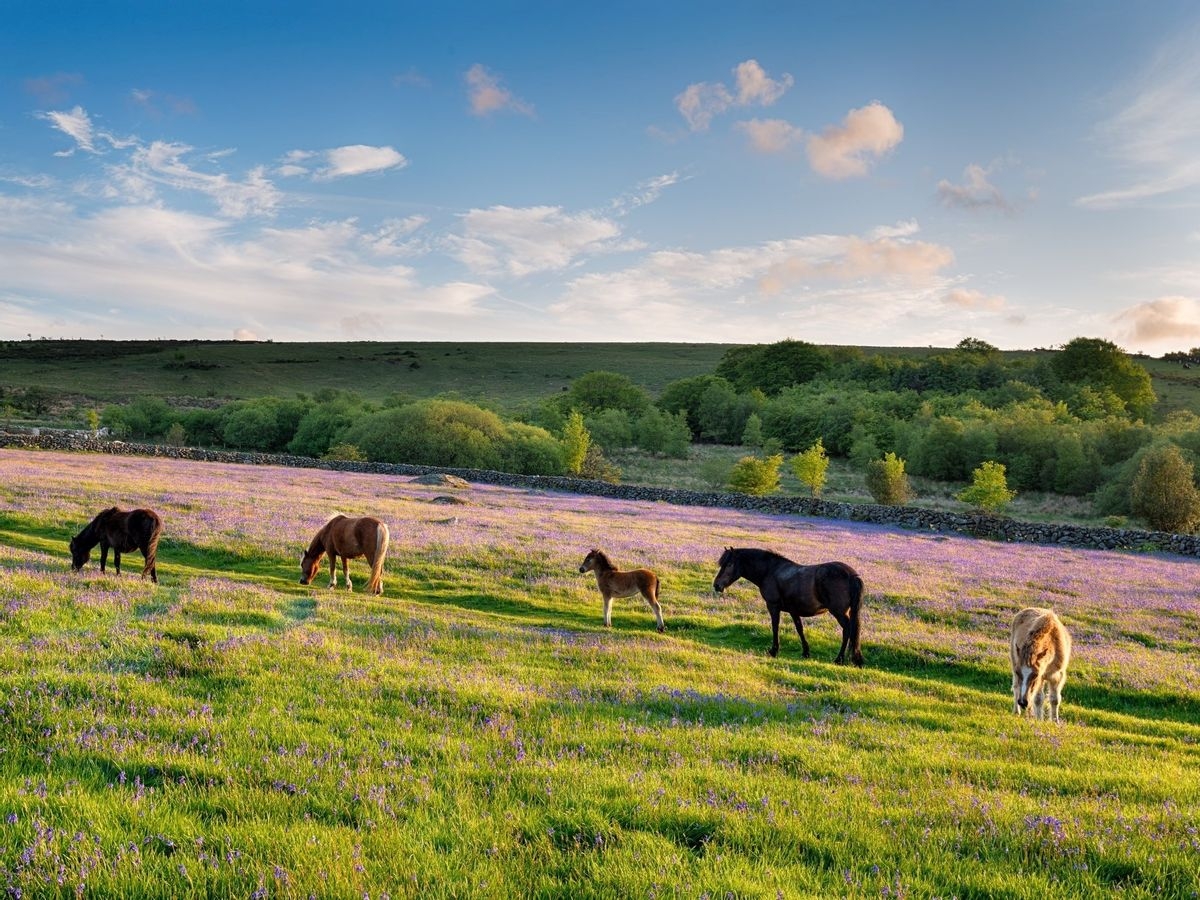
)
(998, 528)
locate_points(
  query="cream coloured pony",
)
(1041, 651)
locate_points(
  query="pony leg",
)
(608, 610)
(653, 601)
(117, 560)
(103, 555)
(799, 623)
(774, 611)
(1055, 691)
(844, 621)
(346, 574)
(1016, 686)
(332, 571)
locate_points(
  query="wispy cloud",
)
(975, 192)
(486, 94)
(963, 298)
(520, 242)
(703, 101)
(1155, 135)
(771, 135)
(1165, 322)
(167, 164)
(849, 149)
(645, 193)
(77, 125)
(340, 162)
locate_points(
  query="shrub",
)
(663, 432)
(595, 391)
(1164, 490)
(752, 436)
(887, 480)
(610, 428)
(596, 466)
(344, 453)
(811, 467)
(754, 476)
(575, 442)
(989, 488)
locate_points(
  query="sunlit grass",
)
(477, 732)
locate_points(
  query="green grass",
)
(476, 732)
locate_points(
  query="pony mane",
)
(602, 558)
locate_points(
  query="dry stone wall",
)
(998, 528)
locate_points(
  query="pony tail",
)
(382, 538)
(856, 596)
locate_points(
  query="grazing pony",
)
(1041, 650)
(614, 583)
(124, 531)
(799, 591)
(348, 538)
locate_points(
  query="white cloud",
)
(963, 298)
(1164, 323)
(77, 125)
(645, 193)
(360, 159)
(771, 135)
(392, 237)
(165, 164)
(160, 266)
(847, 150)
(703, 101)
(1155, 135)
(753, 292)
(976, 191)
(487, 95)
(519, 242)
(245, 334)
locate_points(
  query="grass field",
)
(476, 732)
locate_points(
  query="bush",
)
(663, 432)
(887, 480)
(1164, 490)
(595, 391)
(989, 488)
(752, 436)
(320, 427)
(611, 429)
(596, 466)
(344, 453)
(754, 476)
(811, 467)
(575, 442)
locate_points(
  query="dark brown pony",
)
(348, 538)
(124, 530)
(614, 583)
(799, 591)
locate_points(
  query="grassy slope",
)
(475, 732)
(504, 374)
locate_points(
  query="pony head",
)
(80, 553)
(590, 561)
(308, 566)
(727, 571)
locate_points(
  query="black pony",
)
(124, 531)
(799, 591)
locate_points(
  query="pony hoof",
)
(773, 652)
(661, 629)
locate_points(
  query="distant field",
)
(503, 374)
(476, 732)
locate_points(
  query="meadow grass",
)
(476, 732)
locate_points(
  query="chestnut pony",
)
(615, 583)
(124, 530)
(348, 538)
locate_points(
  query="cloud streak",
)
(703, 101)
(487, 95)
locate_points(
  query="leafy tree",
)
(722, 412)
(662, 432)
(773, 367)
(599, 390)
(611, 429)
(811, 467)
(176, 435)
(887, 480)
(530, 450)
(754, 476)
(752, 435)
(575, 442)
(684, 396)
(93, 419)
(145, 417)
(265, 425)
(989, 488)
(1102, 364)
(976, 346)
(204, 427)
(1164, 490)
(321, 426)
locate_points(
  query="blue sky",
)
(850, 173)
